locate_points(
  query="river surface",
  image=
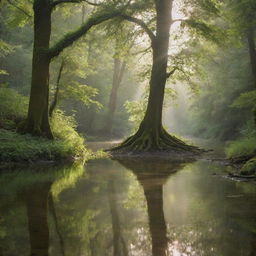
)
(128, 207)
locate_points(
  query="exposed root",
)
(154, 141)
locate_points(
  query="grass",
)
(16, 147)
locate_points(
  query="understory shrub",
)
(241, 147)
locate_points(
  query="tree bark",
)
(38, 118)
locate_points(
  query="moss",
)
(249, 168)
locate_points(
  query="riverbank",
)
(16, 147)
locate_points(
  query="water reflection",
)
(119, 244)
(36, 200)
(126, 208)
(152, 174)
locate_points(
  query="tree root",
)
(154, 141)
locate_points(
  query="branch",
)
(176, 20)
(141, 23)
(70, 38)
(91, 3)
(171, 72)
(57, 2)
(142, 51)
(19, 8)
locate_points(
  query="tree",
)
(244, 19)
(119, 69)
(37, 122)
(151, 136)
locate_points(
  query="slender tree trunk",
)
(119, 68)
(115, 219)
(252, 52)
(56, 223)
(38, 118)
(56, 94)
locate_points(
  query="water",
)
(135, 208)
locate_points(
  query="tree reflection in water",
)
(152, 174)
(36, 198)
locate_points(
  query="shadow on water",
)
(152, 175)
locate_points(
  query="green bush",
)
(64, 131)
(241, 147)
(13, 108)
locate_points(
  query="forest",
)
(111, 102)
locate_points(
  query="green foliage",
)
(245, 100)
(241, 147)
(249, 168)
(17, 147)
(21, 12)
(13, 107)
(5, 48)
(82, 93)
(136, 110)
(69, 141)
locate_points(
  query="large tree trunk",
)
(38, 117)
(151, 135)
